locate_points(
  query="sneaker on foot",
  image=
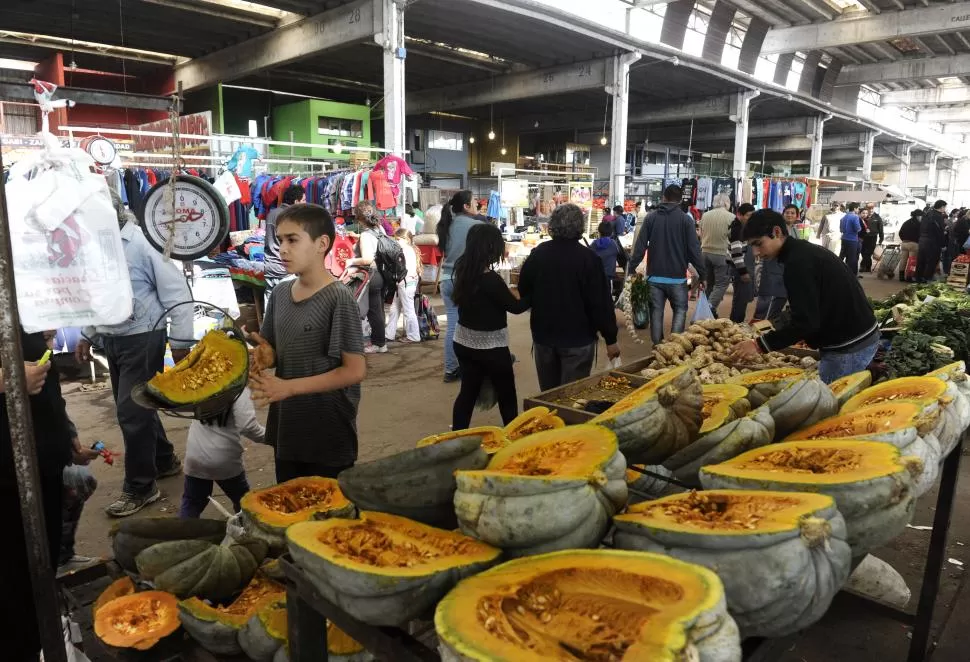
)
(76, 562)
(129, 504)
(174, 470)
(374, 349)
(451, 377)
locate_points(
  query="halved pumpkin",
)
(589, 605)
(267, 513)
(846, 387)
(138, 621)
(801, 402)
(871, 482)
(659, 418)
(117, 589)
(763, 384)
(729, 440)
(418, 483)
(493, 438)
(384, 569)
(217, 628)
(552, 490)
(531, 421)
(265, 634)
(924, 391)
(733, 394)
(957, 414)
(782, 556)
(896, 423)
(216, 364)
(645, 487)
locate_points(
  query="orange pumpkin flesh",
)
(138, 621)
(118, 588)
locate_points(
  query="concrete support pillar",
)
(740, 115)
(904, 165)
(619, 87)
(818, 136)
(392, 41)
(951, 191)
(868, 146)
(933, 176)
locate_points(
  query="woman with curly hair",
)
(482, 334)
(571, 302)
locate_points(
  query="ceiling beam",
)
(905, 70)
(548, 81)
(956, 114)
(25, 92)
(345, 25)
(880, 27)
(956, 127)
(253, 18)
(640, 115)
(936, 96)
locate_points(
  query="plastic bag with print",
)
(68, 258)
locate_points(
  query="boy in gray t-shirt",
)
(312, 334)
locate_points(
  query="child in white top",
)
(213, 453)
(406, 290)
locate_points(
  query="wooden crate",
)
(568, 414)
(636, 367)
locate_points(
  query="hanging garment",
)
(396, 169)
(725, 186)
(747, 191)
(759, 194)
(705, 192)
(776, 199)
(799, 191)
(494, 209)
(243, 161)
(689, 187)
(787, 194)
(381, 190)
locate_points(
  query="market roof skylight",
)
(848, 5)
(66, 43)
(252, 8)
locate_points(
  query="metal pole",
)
(46, 601)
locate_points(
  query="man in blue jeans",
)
(851, 226)
(670, 235)
(829, 310)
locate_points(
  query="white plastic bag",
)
(68, 259)
(227, 186)
(702, 311)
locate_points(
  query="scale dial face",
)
(200, 221)
(102, 150)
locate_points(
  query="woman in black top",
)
(482, 336)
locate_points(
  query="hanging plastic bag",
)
(703, 309)
(68, 258)
(227, 186)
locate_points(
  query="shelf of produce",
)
(562, 398)
(308, 612)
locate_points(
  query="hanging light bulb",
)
(471, 140)
(491, 135)
(603, 140)
(504, 151)
(337, 147)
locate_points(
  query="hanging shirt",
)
(689, 187)
(799, 197)
(381, 191)
(494, 209)
(759, 194)
(787, 195)
(243, 160)
(396, 169)
(705, 193)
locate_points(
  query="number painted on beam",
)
(585, 70)
(354, 16)
(548, 79)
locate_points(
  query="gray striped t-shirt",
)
(309, 338)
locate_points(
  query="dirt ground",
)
(404, 399)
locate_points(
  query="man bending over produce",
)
(829, 310)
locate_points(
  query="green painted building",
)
(324, 123)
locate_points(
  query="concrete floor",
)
(404, 400)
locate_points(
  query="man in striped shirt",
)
(742, 261)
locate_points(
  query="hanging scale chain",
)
(176, 169)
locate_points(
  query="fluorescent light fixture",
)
(253, 129)
(250, 7)
(92, 47)
(264, 89)
(848, 5)
(19, 65)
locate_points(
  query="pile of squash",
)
(766, 492)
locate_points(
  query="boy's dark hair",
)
(852, 206)
(293, 194)
(605, 229)
(314, 219)
(939, 204)
(762, 224)
(745, 208)
(795, 207)
(673, 193)
(618, 209)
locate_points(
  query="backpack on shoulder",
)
(390, 260)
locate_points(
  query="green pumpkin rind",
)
(776, 582)
(201, 569)
(214, 636)
(160, 388)
(801, 403)
(418, 484)
(663, 422)
(730, 440)
(257, 639)
(130, 537)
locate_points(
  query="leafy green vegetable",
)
(914, 353)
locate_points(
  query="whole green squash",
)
(198, 568)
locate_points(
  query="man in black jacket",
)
(909, 242)
(932, 233)
(829, 310)
(571, 302)
(671, 236)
